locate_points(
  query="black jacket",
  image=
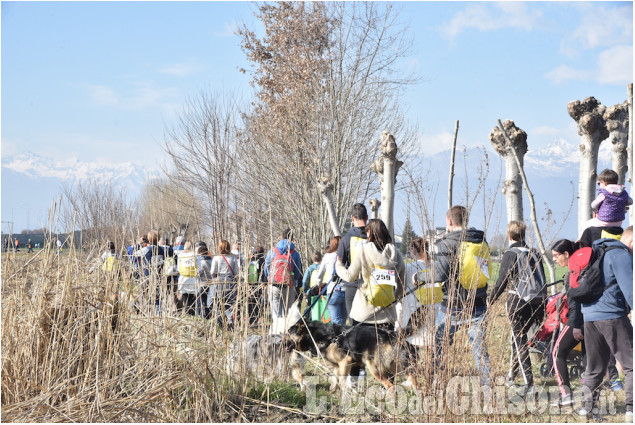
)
(344, 248)
(591, 234)
(575, 319)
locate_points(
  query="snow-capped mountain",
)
(31, 182)
(550, 160)
(71, 169)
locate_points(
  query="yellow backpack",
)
(110, 264)
(381, 286)
(187, 264)
(475, 265)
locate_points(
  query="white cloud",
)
(615, 65)
(493, 16)
(142, 96)
(435, 143)
(182, 69)
(103, 95)
(564, 73)
(601, 25)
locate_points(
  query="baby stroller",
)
(544, 339)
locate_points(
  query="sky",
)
(99, 82)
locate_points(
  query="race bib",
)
(383, 277)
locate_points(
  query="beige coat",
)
(370, 256)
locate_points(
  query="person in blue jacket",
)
(607, 328)
(282, 294)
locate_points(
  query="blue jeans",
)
(337, 307)
(476, 333)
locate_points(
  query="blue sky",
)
(100, 81)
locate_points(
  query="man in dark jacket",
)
(351, 244)
(607, 328)
(347, 248)
(460, 306)
(522, 274)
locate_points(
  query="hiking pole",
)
(317, 298)
(329, 298)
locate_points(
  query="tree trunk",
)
(451, 182)
(326, 189)
(546, 257)
(616, 118)
(374, 207)
(589, 114)
(387, 166)
(516, 147)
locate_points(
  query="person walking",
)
(283, 269)
(464, 302)
(522, 274)
(607, 328)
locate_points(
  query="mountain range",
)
(30, 183)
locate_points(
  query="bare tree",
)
(589, 114)
(616, 118)
(327, 84)
(166, 206)
(100, 209)
(512, 187)
(202, 151)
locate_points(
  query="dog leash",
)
(349, 330)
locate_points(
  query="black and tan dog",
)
(343, 347)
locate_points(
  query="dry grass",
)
(75, 348)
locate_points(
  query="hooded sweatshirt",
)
(447, 270)
(617, 270)
(370, 257)
(283, 246)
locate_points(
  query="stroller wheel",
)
(546, 370)
(574, 372)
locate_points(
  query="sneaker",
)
(566, 400)
(628, 417)
(616, 385)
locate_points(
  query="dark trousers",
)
(602, 338)
(521, 316)
(561, 349)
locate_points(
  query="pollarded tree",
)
(589, 114)
(616, 118)
(513, 186)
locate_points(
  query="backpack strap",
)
(229, 265)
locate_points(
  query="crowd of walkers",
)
(362, 279)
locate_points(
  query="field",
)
(80, 346)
